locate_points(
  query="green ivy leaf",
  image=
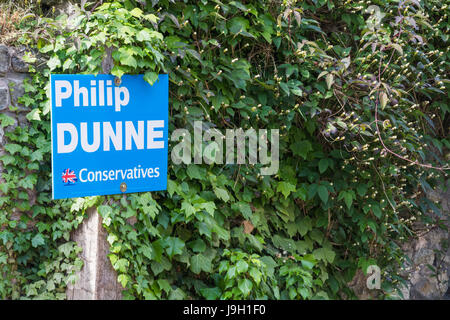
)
(136, 12)
(143, 35)
(151, 77)
(117, 71)
(372, 225)
(188, 208)
(123, 280)
(147, 251)
(197, 245)
(174, 246)
(323, 165)
(256, 275)
(362, 189)
(243, 208)
(128, 60)
(222, 194)
(177, 294)
(285, 188)
(211, 293)
(13, 148)
(238, 24)
(301, 148)
(285, 87)
(121, 265)
(376, 211)
(53, 63)
(38, 240)
(6, 120)
(323, 193)
(200, 263)
(348, 198)
(209, 207)
(164, 285)
(324, 254)
(241, 266)
(196, 172)
(66, 248)
(245, 286)
(34, 115)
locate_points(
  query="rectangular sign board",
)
(108, 137)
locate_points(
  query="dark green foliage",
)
(319, 71)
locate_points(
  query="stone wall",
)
(12, 73)
(428, 268)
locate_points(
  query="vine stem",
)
(96, 5)
(429, 166)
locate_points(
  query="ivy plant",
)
(358, 90)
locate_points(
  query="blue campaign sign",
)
(108, 137)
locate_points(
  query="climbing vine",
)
(358, 89)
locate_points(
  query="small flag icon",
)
(69, 177)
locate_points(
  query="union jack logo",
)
(69, 177)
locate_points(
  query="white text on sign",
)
(64, 90)
(120, 135)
